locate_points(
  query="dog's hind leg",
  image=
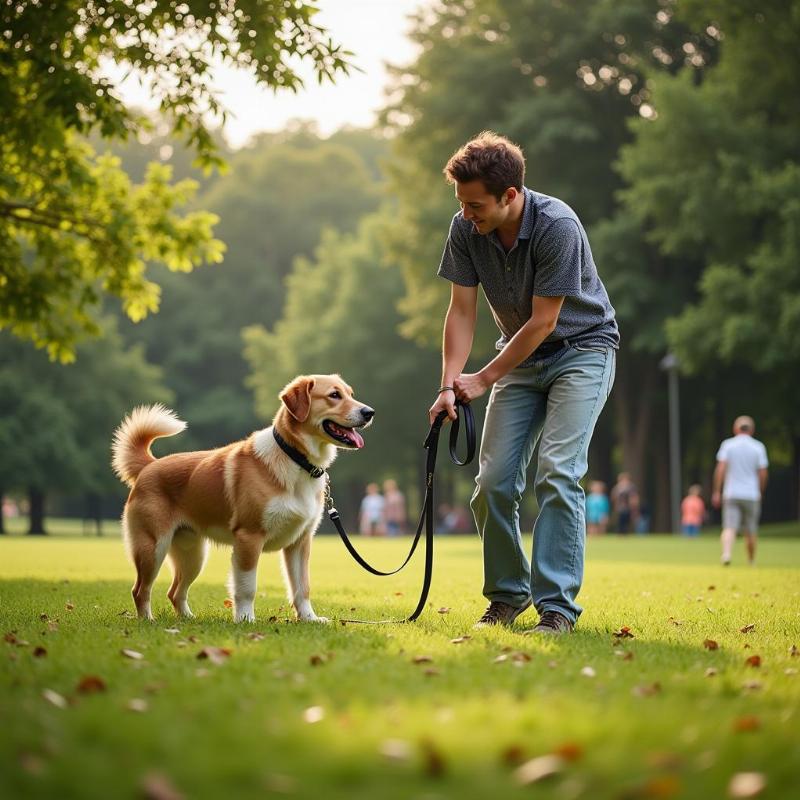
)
(295, 572)
(147, 550)
(187, 554)
(247, 547)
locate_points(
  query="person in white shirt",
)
(742, 471)
(370, 517)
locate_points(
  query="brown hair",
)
(490, 158)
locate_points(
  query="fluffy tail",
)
(131, 444)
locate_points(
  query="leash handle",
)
(431, 444)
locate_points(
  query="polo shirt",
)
(550, 258)
(745, 456)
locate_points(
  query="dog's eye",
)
(335, 396)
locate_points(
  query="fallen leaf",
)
(790, 671)
(395, 749)
(569, 751)
(314, 714)
(676, 621)
(52, 626)
(39, 652)
(444, 610)
(623, 633)
(746, 724)
(460, 640)
(793, 651)
(753, 661)
(710, 644)
(256, 637)
(422, 660)
(521, 658)
(747, 646)
(747, 628)
(398, 594)
(173, 631)
(54, 698)
(216, 655)
(193, 639)
(647, 690)
(501, 658)
(711, 588)
(662, 786)
(91, 684)
(135, 655)
(227, 602)
(431, 672)
(625, 655)
(513, 755)
(435, 764)
(43, 617)
(156, 786)
(747, 784)
(316, 660)
(710, 672)
(588, 672)
(753, 685)
(538, 769)
(137, 704)
(69, 606)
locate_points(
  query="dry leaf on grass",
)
(588, 672)
(710, 644)
(746, 724)
(156, 786)
(710, 672)
(444, 610)
(569, 751)
(256, 637)
(433, 759)
(134, 655)
(39, 652)
(54, 698)
(317, 660)
(69, 606)
(537, 769)
(91, 684)
(137, 704)
(395, 749)
(747, 628)
(753, 661)
(747, 784)
(422, 660)
(753, 685)
(793, 651)
(460, 640)
(431, 672)
(216, 655)
(623, 633)
(314, 714)
(513, 755)
(647, 690)
(172, 631)
(227, 602)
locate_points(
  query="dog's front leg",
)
(247, 547)
(295, 570)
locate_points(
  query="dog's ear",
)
(297, 398)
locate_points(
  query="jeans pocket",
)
(585, 349)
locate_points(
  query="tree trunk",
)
(36, 500)
(796, 473)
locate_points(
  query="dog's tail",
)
(130, 447)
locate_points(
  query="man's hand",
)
(469, 386)
(444, 402)
(716, 499)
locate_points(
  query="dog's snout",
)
(367, 413)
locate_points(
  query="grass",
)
(646, 721)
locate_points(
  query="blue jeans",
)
(555, 403)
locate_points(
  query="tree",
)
(715, 179)
(56, 420)
(72, 226)
(278, 196)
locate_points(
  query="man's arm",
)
(763, 473)
(719, 482)
(459, 329)
(544, 316)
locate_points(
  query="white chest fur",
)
(297, 510)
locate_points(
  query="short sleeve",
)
(456, 265)
(559, 260)
(763, 462)
(722, 453)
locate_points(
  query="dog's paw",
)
(244, 616)
(313, 618)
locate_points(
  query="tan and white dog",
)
(249, 494)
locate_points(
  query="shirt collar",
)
(528, 215)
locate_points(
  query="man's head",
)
(488, 174)
(744, 425)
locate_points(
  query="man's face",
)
(481, 208)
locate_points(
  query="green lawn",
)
(637, 717)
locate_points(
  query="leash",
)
(431, 444)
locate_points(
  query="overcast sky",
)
(374, 30)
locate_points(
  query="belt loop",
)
(566, 342)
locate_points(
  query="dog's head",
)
(323, 406)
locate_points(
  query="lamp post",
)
(670, 365)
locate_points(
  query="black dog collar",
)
(297, 456)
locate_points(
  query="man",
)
(742, 470)
(548, 383)
(625, 499)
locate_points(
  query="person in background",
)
(693, 511)
(742, 471)
(625, 500)
(597, 509)
(370, 517)
(394, 510)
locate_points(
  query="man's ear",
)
(297, 398)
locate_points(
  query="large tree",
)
(73, 228)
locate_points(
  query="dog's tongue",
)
(356, 438)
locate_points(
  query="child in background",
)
(693, 511)
(597, 509)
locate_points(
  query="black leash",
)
(431, 444)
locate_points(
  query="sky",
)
(374, 30)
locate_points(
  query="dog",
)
(250, 494)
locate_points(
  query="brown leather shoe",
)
(552, 622)
(499, 613)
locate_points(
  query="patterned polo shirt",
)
(550, 258)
